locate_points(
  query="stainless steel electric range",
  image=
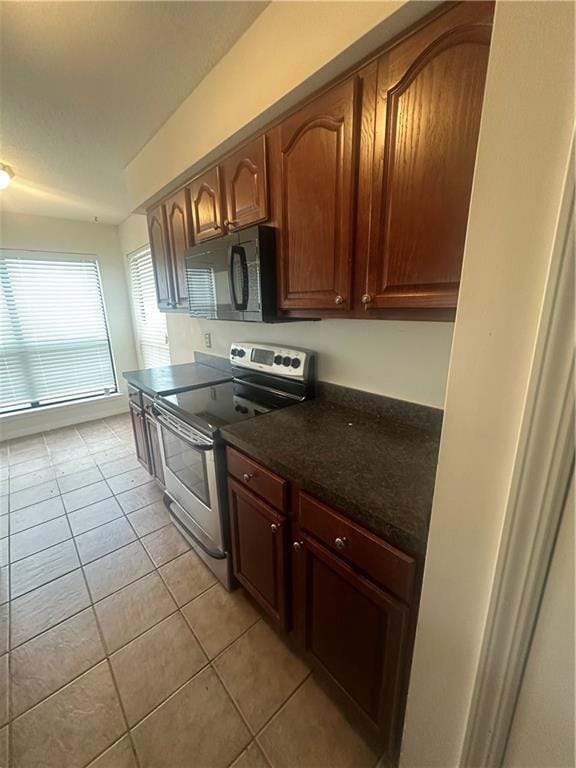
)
(265, 377)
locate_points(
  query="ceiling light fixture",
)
(6, 175)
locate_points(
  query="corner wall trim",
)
(537, 495)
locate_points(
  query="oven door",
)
(190, 477)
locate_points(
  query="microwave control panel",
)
(275, 359)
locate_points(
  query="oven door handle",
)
(199, 446)
(216, 554)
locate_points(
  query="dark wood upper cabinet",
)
(354, 632)
(315, 209)
(428, 105)
(179, 230)
(206, 205)
(245, 182)
(160, 249)
(259, 544)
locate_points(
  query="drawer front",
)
(134, 396)
(147, 403)
(257, 478)
(380, 561)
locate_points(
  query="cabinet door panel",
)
(206, 207)
(246, 185)
(430, 93)
(180, 238)
(154, 445)
(259, 540)
(353, 631)
(160, 250)
(317, 166)
(140, 441)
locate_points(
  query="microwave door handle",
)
(238, 250)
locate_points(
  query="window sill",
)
(57, 406)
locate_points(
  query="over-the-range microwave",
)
(234, 277)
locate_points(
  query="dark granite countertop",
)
(373, 458)
(176, 378)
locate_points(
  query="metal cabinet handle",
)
(340, 542)
(367, 299)
(247, 476)
(229, 222)
(297, 546)
(274, 528)
(338, 299)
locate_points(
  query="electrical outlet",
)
(208, 341)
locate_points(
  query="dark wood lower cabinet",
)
(260, 540)
(349, 597)
(140, 441)
(352, 630)
(154, 446)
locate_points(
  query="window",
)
(149, 322)
(54, 343)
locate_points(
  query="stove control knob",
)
(286, 361)
(278, 359)
(241, 352)
(234, 352)
(296, 362)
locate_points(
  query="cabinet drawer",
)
(147, 403)
(259, 479)
(379, 560)
(134, 396)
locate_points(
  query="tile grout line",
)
(89, 593)
(107, 657)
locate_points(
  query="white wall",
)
(408, 360)
(21, 231)
(522, 158)
(133, 234)
(542, 732)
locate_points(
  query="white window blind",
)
(201, 291)
(149, 322)
(54, 343)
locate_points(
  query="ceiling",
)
(84, 85)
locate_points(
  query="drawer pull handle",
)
(247, 476)
(297, 546)
(274, 528)
(340, 542)
(367, 298)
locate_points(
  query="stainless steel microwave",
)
(234, 277)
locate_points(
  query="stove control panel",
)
(274, 359)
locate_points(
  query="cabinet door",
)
(429, 102)
(140, 441)
(206, 205)
(317, 168)
(154, 444)
(353, 631)
(259, 541)
(246, 185)
(160, 250)
(180, 238)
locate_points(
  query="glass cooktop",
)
(210, 408)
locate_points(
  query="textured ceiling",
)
(84, 85)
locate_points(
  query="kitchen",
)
(274, 505)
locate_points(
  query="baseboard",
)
(64, 415)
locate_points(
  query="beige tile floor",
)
(117, 647)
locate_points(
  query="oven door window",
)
(187, 463)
